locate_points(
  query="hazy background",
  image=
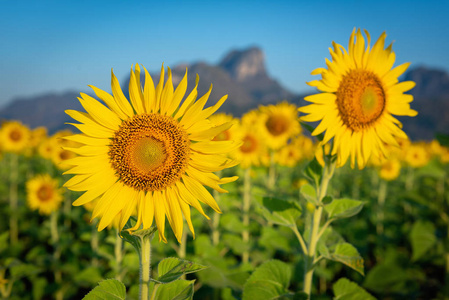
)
(66, 45)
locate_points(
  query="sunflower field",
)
(330, 200)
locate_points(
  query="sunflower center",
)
(276, 124)
(44, 193)
(150, 152)
(249, 144)
(360, 99)
(15, 135)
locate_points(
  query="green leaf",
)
(422, 237)
(348, 255)
(173, 268)
(309, 193)
(310, 129)
(314, 171)
(386, 278)
(343, 208)
(107, 289)
(443, 139)
(21, 270)
(175, 290)
(269, 281)
(282, 212)
(89, 275)
(4, 240)
(344, 289)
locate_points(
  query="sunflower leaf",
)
(343, 208)
(269, 281)
(311, 129)
(309, 193)
(422, 237)
(175, 290)
(107, 289)
(314, 171)
(172, 268)
(344, 289)
(280, 211)
(347, 254)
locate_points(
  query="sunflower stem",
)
(309, 266)
(216, 218)
(118, 253)
(380, 207)
(271, 172)
(145, 267)
(246, 207)
(13, 198)
(56, 253)
(94, 245)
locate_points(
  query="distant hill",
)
(242, 75)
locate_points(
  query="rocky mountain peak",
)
(429, 82)
(244, 64)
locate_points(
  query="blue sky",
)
(54, 46)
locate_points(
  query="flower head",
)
(360, 95)
(151, 154)
(14, 136)
(44, 194)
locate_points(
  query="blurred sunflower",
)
(44, 194)
(288, 156)
(14, 136)
(231, 134)
(152, 153)
(278, 123)
(416, 156)
(390, 169)
(360, 93)
(253, 150)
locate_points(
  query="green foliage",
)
(109, 289)
(349, 256)
(269, 281)
(172, 268)
(309, 193)
(344, 289)
(282, 212)
(343, 208)
(422, 237)
(314, 172)
(175, 290)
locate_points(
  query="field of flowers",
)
(347, 209)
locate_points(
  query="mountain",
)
(243, 76)
(43, 110)
(431, 100)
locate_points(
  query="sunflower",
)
(44, 194)
(288, 156)
(360, 95)
(14, 136)
(278, 123)
(253, 150)
(416, 155)
(390, 169)
(151, 154)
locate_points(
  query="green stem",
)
(216, 219)
(67, 209)
(309, 267)
(145, 267)
(246, 207)
(271, 172)
(13, 198)
(118, 251)
(301, 240)
(380, 210)
(94, 245)
(57, 253)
